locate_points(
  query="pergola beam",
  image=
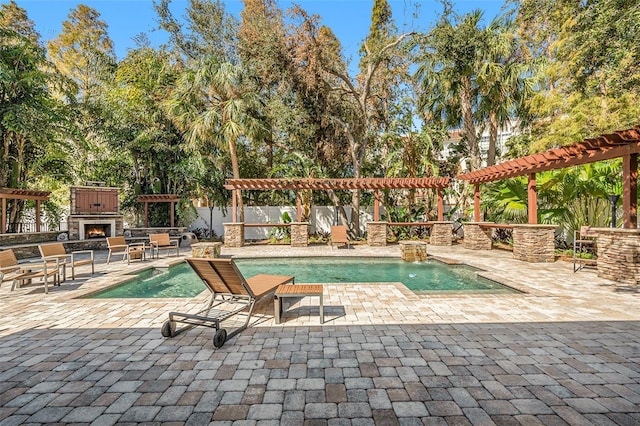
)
(300, 184)
(337, 184)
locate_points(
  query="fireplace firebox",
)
(97, 230)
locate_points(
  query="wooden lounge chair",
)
(163, 242)
(18, 273)
(118, 245)
(229, 289)
(57, 252)
(339, 236)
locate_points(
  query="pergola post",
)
(476, 202)
(298, 206)
(171, 213)
(37, 215)
(146, 214)
(234, 205)
(532, 198)
(376, 206)
(440, 205)
(630, 191)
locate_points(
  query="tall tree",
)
(33, 122)
(365, 98)
(448, 64)
(207, 30)
(214, 105)
(84, 52)
(506, 81)
(589, 84)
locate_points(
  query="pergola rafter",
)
(301, 184)
(624, 144)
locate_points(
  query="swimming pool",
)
(420, 277)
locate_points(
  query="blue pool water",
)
(420, 277)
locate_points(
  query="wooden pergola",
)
(21, 194)
(624, 143)
(158, 198)
(375, 184)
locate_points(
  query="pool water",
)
(420, 277)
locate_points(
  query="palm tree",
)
(215, 107)
(504, 79)
(448, 65)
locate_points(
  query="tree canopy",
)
(271, 93)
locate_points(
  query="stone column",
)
(476, 237)
(234, 234)
(440, 234)
(413, 251)
(534, 243)
(377, 233)
(618, 254)
(299, 234)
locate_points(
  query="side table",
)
(296, 290)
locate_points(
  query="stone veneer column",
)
(440, 234)
(234, 234)
(476, 237)
(534, 243)
(618, 254)
(299, 234)
(377, 233)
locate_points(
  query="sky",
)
(349, 19)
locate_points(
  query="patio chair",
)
(118, 245)
(339, 236)
(584, 241)
(163, 242)
(56, 251)
(229, 289)
(19, 273)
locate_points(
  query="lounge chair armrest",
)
(43, 263)
(82, 251)
(135, 245)
(176, 242)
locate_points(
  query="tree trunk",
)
(5, 161)
(493, 138)
(236, 175)
(468, 124)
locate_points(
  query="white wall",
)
(321, 219)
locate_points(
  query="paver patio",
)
(565, 352)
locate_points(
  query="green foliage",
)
(281, 234)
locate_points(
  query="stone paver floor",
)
(567, 351)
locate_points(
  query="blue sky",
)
(349, 19)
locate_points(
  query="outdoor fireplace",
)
(94, 213)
